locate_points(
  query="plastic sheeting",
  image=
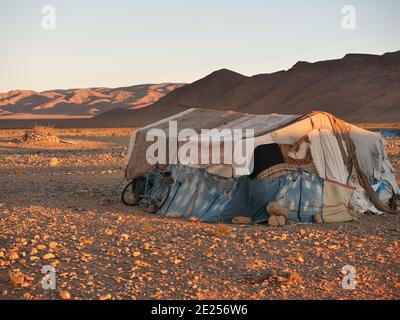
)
(214, 199)
(302, 194)
(198, 120)
(360, 202)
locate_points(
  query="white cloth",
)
(327, 156)
(360, 202)
(370, 150)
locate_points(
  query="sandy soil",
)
(52, 212)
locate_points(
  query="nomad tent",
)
(316, 167)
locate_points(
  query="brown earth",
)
(52, 211)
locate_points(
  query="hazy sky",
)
(125, 42)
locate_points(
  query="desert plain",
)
(57, 209)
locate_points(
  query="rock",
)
(136, 254)
(53, 245)
(65, 295)
(53, 162)
(194, 219)
(173, 215)
(242, 220)
(302, 232)
(276, 209)
(48, 256)
(273, 221)
(41, 247)
(105, 297)
(295, 277)
(140, 264)
(276, 221)
(124, 236)
(318, 218)
(13, 255)
(289, 277)
(17, 278)
(27, 296)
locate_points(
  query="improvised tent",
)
(313, 165)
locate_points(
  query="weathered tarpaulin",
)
(198, 119)
(211, 198)
(337, 151)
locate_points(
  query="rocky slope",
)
(357, 87)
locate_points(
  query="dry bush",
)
(43, 130)
(41, 134)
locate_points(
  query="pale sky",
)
(121, 42)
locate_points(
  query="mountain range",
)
(80, 102)
(357, 88)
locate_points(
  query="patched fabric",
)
(216, 199)
(336, 202)
(302, 195)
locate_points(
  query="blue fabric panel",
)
(183, 190)
(215, 199)
(302, 195)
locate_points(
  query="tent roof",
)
(272, 128)
(198, 119)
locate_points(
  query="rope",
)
(342, 131)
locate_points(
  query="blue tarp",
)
(213, 198)
(302, 194)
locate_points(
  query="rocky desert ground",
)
(53, 211)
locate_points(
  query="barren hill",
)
(358, 88)
(80, 102)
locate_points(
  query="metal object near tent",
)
(328, 168)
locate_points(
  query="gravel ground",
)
(52, 212)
